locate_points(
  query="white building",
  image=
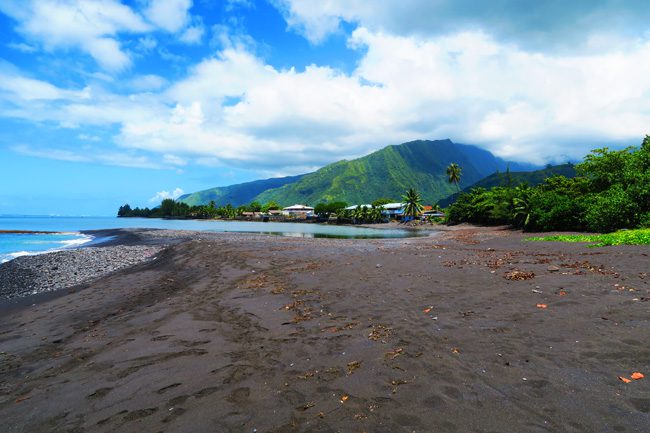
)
(299, 210)
(393, 210)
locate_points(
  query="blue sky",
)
(104, 102)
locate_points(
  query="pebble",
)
(28, 275)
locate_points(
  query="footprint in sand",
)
(239, 396)
(167, 388)
(173, 414)
(142, 413)
(206, 391)
(178, 400)
(99, 393)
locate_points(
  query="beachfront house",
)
(298, 210)
(433, 213)
(394, 211)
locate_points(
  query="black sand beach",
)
(470, 330)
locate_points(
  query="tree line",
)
(611, 192)
(170, 208)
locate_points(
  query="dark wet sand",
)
(244, 333)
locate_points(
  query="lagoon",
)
(13, 245)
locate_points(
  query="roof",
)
(393, 206)
(299, 207)
(357, 205)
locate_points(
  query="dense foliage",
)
(175, 209)
(512, 179)
(362, 215)
(611, 191)
(325, 210)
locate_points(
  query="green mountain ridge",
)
(386, 173)
(236, 195)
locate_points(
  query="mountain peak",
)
(386, 173)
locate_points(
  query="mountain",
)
(386, 173)
(389, 172)
(531, 178)
(236, 195)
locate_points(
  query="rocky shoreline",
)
(30, 275)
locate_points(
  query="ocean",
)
(68, 231)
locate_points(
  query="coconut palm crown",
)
(412, 206)
(453, 174)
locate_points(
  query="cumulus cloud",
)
(89, 25)
(521, 105)
(235, 109)
(124, 159)
(541, 25)
(23, 47)
(171, 15)
(147, 82)
(95, 27)
(193, 34)
(162, 195)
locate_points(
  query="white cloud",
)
(147, 82)
(87, 137)
(162, 195)
(128, 159)
(23, 47)
(146, 44)
(234, 109)
(540, 26)
(171, 15)
(193, 34)
(20, 88)
(89, 25)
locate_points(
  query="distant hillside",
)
(389, 172)
(236, 195)
(532, 178)
(386, 173)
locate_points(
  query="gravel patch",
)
(29, 275)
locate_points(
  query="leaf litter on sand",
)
(397, 382)
(637, 375)
(278, 290)
(308, 375)
(347, 326)
(353, 366)
(379, 332)
(519, 275)
(393, 353)
(306, 406)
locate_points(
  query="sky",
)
(106, 102)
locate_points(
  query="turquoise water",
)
(12, 245)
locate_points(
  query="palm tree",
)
(521, 206)
(412, 206)
(376, 214)
(453, 174)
